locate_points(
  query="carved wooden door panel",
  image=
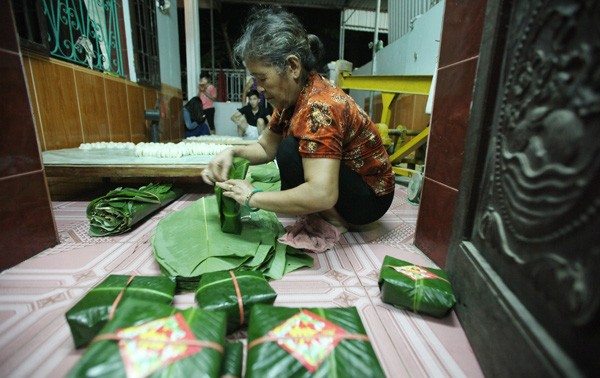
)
(525, 251)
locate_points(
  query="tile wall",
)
(26, 221)
(459, 54)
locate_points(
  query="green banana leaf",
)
(415, 288)
(87, 317)
(189, 243)
(217, 292)
(233, 360)
(120, 209)
(269, 357)
(229, 209)
(104, 356)
(265, 176)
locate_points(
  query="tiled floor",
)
(34, 295)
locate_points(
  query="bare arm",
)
(319, 192)
(263, 151)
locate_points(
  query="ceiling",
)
(370, 5)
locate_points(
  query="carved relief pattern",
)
(546, 153)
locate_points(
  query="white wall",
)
(168, 46)
(415, 53)
(223, 123)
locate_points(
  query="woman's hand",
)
(218, 167)
(236, 189)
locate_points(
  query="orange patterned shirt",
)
(329, 124)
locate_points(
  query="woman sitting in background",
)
(194, 119)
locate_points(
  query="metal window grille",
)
(85, 32)
(145, 39)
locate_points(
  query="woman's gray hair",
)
(272, 34)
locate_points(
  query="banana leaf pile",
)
(265, 176)
(233, 360)
(317, 342)
(152, 339)
(229, 209)
(189, 243)
(92, 312)
(219, 292)
(415, 288)
(120, 209)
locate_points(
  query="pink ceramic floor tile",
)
(424, 345)
(367, 259)
(69, 266)
(35, 295)
(36, 333)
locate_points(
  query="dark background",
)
(324, 23)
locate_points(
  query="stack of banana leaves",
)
(265, 176)
(119, 210)
(189, 243)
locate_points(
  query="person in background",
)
(251, 119)
(251, 85)
(330, 155)
(208, 94)
(194, 119)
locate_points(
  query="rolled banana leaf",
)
(223, 291)
(120, 209)
(316, 342)
(416, 288)
(189, 243)
(92, 312)
(229, 209)
(147, 339)
(233, 360)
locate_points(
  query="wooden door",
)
(525, 252)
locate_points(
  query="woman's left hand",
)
(236, 189)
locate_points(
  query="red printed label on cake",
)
(307, 337)
(150, 346)
(414, 272)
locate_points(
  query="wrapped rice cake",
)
(317, 342)
(234, 293)
(416, 288)
(93, 311)
(146, 339)
(232, 364)
(229, 209)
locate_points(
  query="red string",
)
(239, 297)
(118, 298)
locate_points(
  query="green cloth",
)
(92, 312)
(217, 292)
(229, 209)
(189, 243)
(104, 358)
(120, 209)
(268, 358)
(415, 288)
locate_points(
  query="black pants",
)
(210, 118)
(357, 203)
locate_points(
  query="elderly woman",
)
(331, 158)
